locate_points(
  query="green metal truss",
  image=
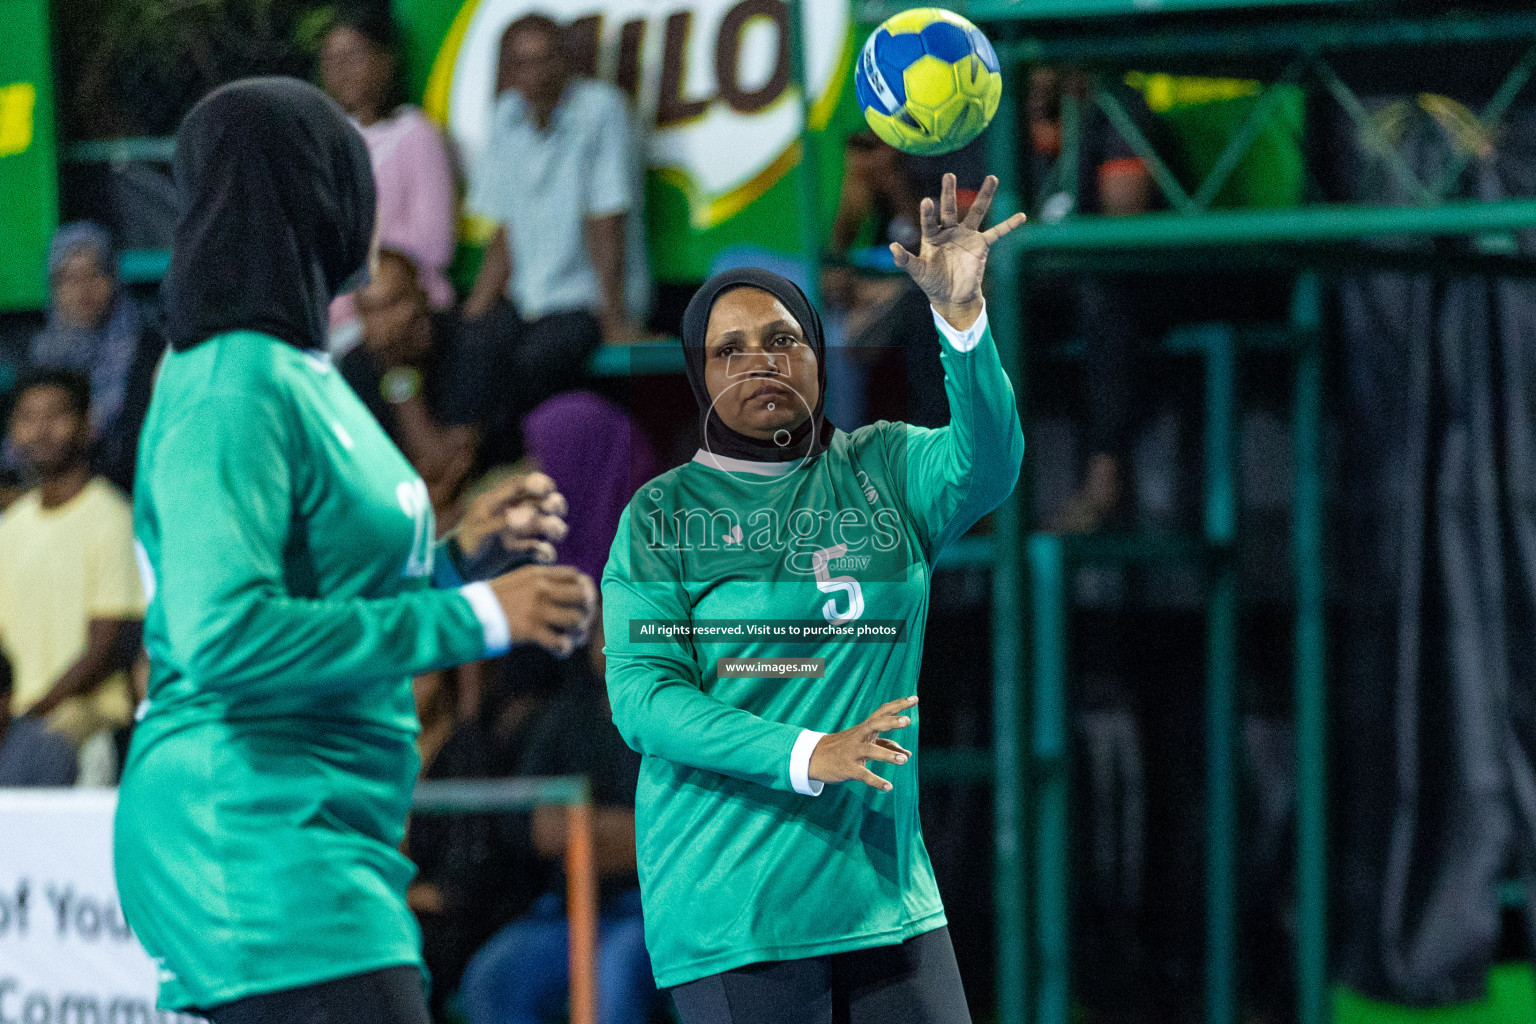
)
(1032, 688)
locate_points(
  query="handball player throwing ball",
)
(766, 898)
(294, 587)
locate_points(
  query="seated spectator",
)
(522, 974)
(95, 329)
(597, 457)
(475, 872)
(103, 755)
(881, 319)
(412, 173)
(71, 604)
(877, 206)
(417, 379)
(560, 179)
(878, 196)
(30, 755)
(1114, 314)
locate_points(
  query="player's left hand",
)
(952, 257)
(842, 756)
(526, 512)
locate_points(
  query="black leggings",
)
(917, 982)
(395, 995)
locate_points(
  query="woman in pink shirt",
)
(411, 169)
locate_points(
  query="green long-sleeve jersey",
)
(287, 552)
(742, 858)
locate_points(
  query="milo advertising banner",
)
(711, 85)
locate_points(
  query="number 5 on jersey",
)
(829, 584)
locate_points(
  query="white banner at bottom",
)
(67, 956)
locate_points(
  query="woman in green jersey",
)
(294, 587)
(767, 898)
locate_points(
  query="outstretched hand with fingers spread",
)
(952, 257)
(842, 756)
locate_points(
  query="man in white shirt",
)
(560, 178)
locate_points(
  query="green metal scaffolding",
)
(1033, 570)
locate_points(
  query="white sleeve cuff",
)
(962, 341)
(493, 621)
(800, 763)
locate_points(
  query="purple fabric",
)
(598, 457)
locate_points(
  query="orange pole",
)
(581, 912)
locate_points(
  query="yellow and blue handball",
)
(928, 81)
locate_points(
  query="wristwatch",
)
(400, 384)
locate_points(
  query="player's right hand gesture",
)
(841, 756)
(952, 258)
(549, 605)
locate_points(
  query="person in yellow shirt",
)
(71, 602)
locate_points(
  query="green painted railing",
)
(1076, 9)
(1332, 222)
(116, 151)
(143, 266)
(499, 796)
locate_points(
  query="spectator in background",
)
(30, 755)
(1131, 783)
(71, 604)
(95, 329)
(877, 206)
(589, 444)
(475, 872)
(565, 269)
(885, 329)
(416, 379)
(412, 172)
(1113, 314)
(878, 194)
(522, 974)
(103, 755)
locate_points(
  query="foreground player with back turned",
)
(766, 899)
(288, 556)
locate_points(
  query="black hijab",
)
(277, 208)
(811, 437)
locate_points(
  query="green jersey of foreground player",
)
(766, 897)
(294, 589)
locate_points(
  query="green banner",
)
(1204, 114)
(28, 169)
(710, 83)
